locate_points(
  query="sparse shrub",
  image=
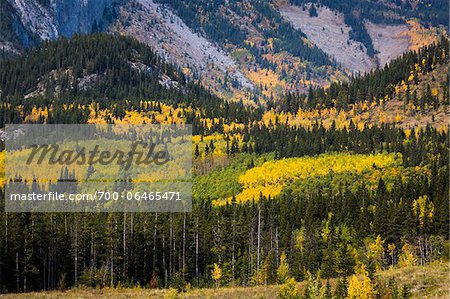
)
(171, 294)
(313, 11)
(94, 277)
(289, 290)
(341, 288)
(154, 281)
(62, 282)
(387, 289)
(405, 292)
(328, 294)
(407, 257)
(177, 282)
(315, 290)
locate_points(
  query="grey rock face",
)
(49, 19)
(80, 16)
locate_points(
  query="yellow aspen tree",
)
(283, 274)
(423, 210)
(216, 274)
(376, 252)
(407, 257)
(289, 290)
(361, 287)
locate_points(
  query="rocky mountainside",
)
(251, 51)
(26, 22)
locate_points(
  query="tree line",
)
(375, 85)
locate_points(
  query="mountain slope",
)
(236, 48)
(27, 22)
(160, 28)
(269, 43)
(112, 73)
(249, 51)
(389, 12)
(410, 92)
(352, 55)
(76, 67)
(13, 33)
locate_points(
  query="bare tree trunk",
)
(170, 244)
(259, 241)
(124, 244)
(196, 250)
(111, 256)
(131, 224)
(291, 246)
(130, 253)
(51, 246)
(184, 246)
(17, 272)
(154, 241)
(112, 266)
(277, 251)
(164, 259)
(271, 237)
(51, 276)
(65, 224)
(233, 257)
(250, 249)
(49, 265)
(6, 232)
(431, 252)
(76, 251)
(25, 265)
(421, 251)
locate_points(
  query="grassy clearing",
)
(431, 281)
(223, 293)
